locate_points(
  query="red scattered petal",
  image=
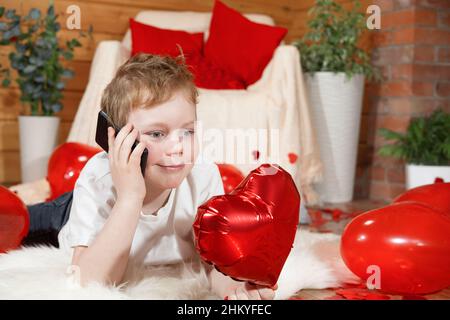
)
(349, 294)
(316, 218)
(337, 214)
(438, 180)
(324, 231)
(361, 294)
(292, 157)
(255, 154)
(377, 296)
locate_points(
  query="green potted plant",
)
(40, 75)
(335, 69)
(425, 147)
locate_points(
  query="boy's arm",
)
(105, 260)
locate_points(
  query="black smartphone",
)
(101, 137)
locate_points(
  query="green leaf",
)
(10, 13)
(34, 14)
(67, 55)
(389, 134)
(29, 68)
(51, 11)
(75, 43)
(67, 73)
(57, 107)
(6, 82)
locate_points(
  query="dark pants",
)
(47, 219)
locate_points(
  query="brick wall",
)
(413, 51)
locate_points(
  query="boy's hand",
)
(125, 167)
(248, 291)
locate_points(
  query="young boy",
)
(120, 217)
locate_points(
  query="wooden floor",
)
(327, 219)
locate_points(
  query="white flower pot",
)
(38, 138)
(336, 104)
(419, 175)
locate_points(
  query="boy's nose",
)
(174, 145)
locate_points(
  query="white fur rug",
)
(40, 273)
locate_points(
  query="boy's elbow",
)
(81, 273)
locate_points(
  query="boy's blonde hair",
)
(146, 80)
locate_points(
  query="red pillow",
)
(239, 45)
(149, 39)
(207, 75)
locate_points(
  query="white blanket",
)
(40, 273)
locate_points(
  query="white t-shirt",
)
(164, 238)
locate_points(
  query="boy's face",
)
(168, 130)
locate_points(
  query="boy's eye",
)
(188, 132)
(159, 135)
(155, 134)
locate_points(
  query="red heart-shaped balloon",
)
(231, 176)
(14, 220)
(249, 233)
(436, 195)
(408, 241)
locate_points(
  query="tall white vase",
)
(336, 104)
(38, 138)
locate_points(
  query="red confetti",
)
(337, 214)
(377, 296)
(361, 294)
(438, 180)
(317, 219)
(292, 157)
(255, 154)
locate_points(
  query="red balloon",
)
(14, 220)
(231, 176)
(408, 241)
(248, 233)
(436, 195)
(65, 166)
